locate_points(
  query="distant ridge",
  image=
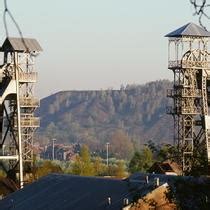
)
(91, 117)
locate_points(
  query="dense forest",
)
(128, 117)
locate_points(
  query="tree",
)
(99, 167)
(148, 158)
(167, 151)
(46, 168)
(141, 161)
(135, 164)
(83, 165)
(117, 170)
(120, 145)
(120, 171)
(200, 7)
(163, 151)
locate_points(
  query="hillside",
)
(92, 117)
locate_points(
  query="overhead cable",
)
(8, 12)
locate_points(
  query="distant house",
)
(166, 167)
(61, 152)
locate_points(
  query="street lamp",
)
(107, 153)
(53, 148)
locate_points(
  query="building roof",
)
(166, 166)
(157, 199)
(21, 45)
(189, 29)
(59, 191)
(55, 192)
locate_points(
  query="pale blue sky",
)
(98, 44)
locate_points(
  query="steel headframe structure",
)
(17, 106)
(188, 58)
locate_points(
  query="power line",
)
(200, 10)
(7, 11)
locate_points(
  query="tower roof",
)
(20, 45)
(189, 29)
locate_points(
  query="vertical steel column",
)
(18, 121)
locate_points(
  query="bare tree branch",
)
(200, 10)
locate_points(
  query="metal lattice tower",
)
(17, 106)
(189, 60)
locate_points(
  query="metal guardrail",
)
(28, 121)
(188, 64)
(184, 93)
(29, 102)
(182, 110)
(28, 76)
(191, 110)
